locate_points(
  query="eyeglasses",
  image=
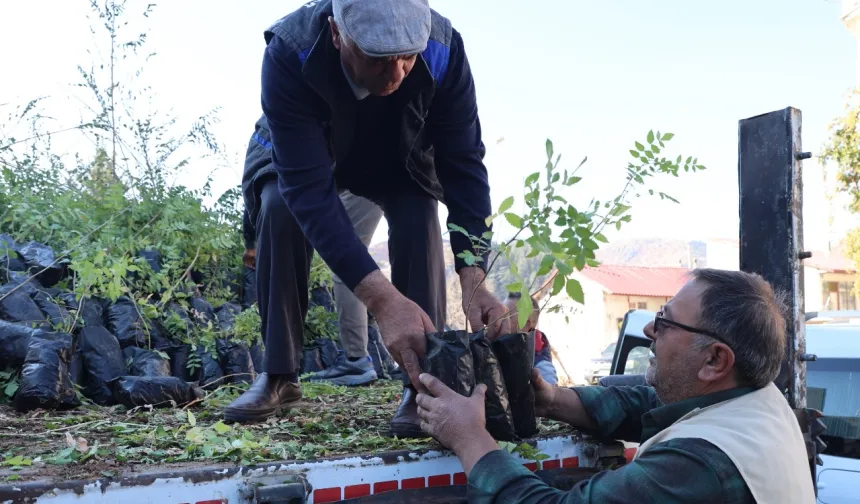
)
(658, 320)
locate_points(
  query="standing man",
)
(375, 97)
(263, 226)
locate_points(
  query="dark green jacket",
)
(677, 471)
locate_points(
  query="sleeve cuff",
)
(492, 473)
(355, 265)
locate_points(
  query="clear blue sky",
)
(592, 75)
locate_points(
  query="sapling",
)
(566, 236)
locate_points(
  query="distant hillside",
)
(654, 252)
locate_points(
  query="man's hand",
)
(403, 325)
(456, 421)
(480, 306)
(249, 258)
(544, 394)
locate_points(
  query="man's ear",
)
(719, 363)
(335, 33)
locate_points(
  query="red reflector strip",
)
(551, 464)
(354, 491)
(460, 479)
(327, 495)
(411, 483)
(384, 486)
(570, 462)
(531, 466)
(629, 453)
(439, 480)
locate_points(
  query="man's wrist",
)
(473, 447)
(471, 277)
(374, 290)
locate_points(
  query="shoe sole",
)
(350, 380)
(241, 416)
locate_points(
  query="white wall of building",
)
(577, 339)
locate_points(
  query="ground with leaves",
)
(96, 442)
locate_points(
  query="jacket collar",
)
(662, 417)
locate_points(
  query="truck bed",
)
(111, 442)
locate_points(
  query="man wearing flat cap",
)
(374, 97)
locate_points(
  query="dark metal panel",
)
(771, 235)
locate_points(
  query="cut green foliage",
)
(324, 424)
(564, 235)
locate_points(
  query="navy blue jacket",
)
(311, 124)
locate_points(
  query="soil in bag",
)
(497, 407)
(328, 352)
(124, 322)
(211, 373)
(201, 312)
(227, 316)
(449, 359)
(50, 306)
(88, 311)
(311, 361)
(257, 357)
(14, 340)
(76, 366)
(45, 381)
(382, 361)
(516, 358)
(249, 287)
(180, 355)
(158, 391)
(142, 362)
(41, 262)
(103, 362)
(16, 306)
(236, 362)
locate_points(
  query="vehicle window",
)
(609, 351)
(833, 387)
(637, 360)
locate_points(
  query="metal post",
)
(771, 225)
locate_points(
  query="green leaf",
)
(563, 268)
(531, 179)
(545, 265)
(599, 237)
(506, 204)
(558, 284)
(634, 153)
(514, 287)
(192, 420)
(220, 427)
(514, 219)
(650, 136)
(549, 150)
(640, 147)
(668, 136)
(488, 221)
(572, 180)
(524, 309)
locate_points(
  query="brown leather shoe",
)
(268, 395)
(406, 423)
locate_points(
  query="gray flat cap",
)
(383, 28)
